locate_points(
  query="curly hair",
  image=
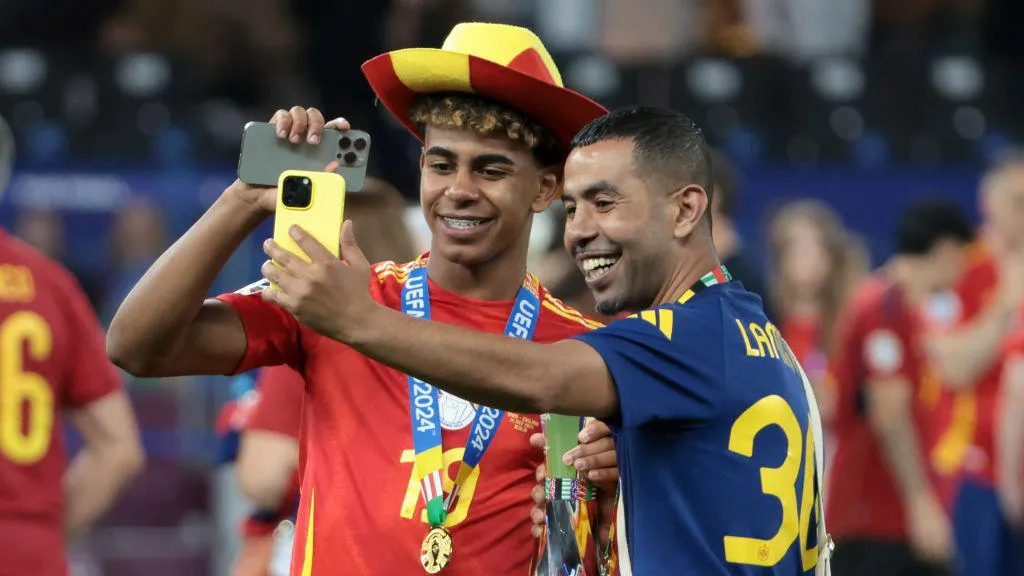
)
(488, 117)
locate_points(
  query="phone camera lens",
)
(360, 144)
(345, 142)
(351, 157)
(296, 192)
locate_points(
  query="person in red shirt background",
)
(815, 263)
(260, 435)
(52, 366)
(883, 505)
(971, 326)
(1010, 442)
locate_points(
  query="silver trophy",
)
(567, 521)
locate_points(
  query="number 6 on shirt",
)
(780, 482)
(24, 442)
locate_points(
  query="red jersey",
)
(52, 357)
(803, 334)
(878, 337)
(966, 418)
(361, 510)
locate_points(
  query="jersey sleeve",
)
(279, 408)
(273, 336)
(884, 343)
(90, 375)
(657, 378)
(560, 321)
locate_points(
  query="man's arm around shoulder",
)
(566, 377)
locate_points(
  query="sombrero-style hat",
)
(508, 64)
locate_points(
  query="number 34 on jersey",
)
(780, 483)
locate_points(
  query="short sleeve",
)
(90, 375)
(658, 379)
(886, 342)
(273, 336)
(279, 407)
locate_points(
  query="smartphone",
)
(316, 202)
(264, 156)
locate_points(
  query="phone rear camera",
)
(360, 144)
(345, 142)
(351, 157)
(296, 192)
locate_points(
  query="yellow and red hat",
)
(505, 63)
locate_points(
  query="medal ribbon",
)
(424, 406)
(609, 558)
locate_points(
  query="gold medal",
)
(436, 550)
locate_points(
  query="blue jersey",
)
(715, 449)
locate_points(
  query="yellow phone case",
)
(322, 218)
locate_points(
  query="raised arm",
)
(166, 326)
(964, 354)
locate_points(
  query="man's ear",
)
(688, 206)
(550, 188)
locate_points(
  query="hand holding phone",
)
(299, 140)
(301, 124)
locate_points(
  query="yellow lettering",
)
(808, 503)
(751, 351)
(779, 482)
(413, 499)
(16, 283)
(762, 340)
(775, 337)
(24, 441)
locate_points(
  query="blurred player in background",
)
(883, 504)
(815, 263)
(1010, 442)
(486, 169)
(267, 467)
(268, 462)
(972, 324)
(52, 365)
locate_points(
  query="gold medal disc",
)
(436, 550)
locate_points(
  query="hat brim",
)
(401, 76)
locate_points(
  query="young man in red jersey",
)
(980, 313)
(52, 364)
(496, 124)
(883, 505)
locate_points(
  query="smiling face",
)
(479, 193)
(614, 226)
